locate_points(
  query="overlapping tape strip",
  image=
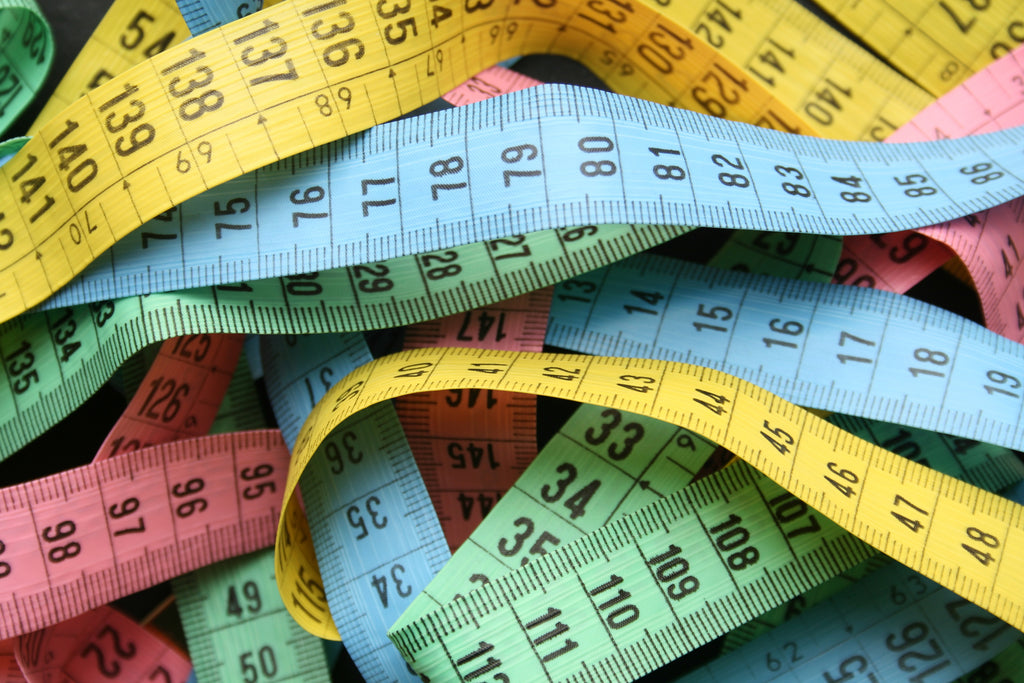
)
(1007, 378)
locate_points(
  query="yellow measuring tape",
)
(968, 540)
(839, 89)
(292, 77)
(938, 44)
(125, 36)
(833, 84)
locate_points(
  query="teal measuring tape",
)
(843, 349)
(487, 171)
(362, 498)
(238, 628)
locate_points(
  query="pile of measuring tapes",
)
(325, 250)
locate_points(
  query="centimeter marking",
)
(141, 518)
(837, 87)
(471, 447)
(990, 467)
(817, 452)
(125, 36)
(601, 465)
(769, 620)
(688, 169)
(237, 627)
(657, 558)
(1006, 667)
(204, 15)
(182, 127)
(101, 643)
(53, 361)
(231, 612)
(363, 522)
(844, 349)
(984, 242)
(790, 255)
(878, 629)
(937, 44)
(620, 462)
(180, 394)
(458, 438)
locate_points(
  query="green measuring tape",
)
(26, 52)
(74, 350)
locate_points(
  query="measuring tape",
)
(26, 52)
(102, 643)
(984, 465)
(10, 672)
(240, 409)
(838, 88)
(204, 15)
(196, 152)
(374, 296)
(77, 539)
(764, 623)
(469, 447)
(603, 465)
(894, 263)
(789, 255)
(1006, 667)
(124, 37)
(892, 625)
(227, 607)
(937, 44)
(179, 395)
(835, 348)
(607, 463)
(984, 242)
(377, 562)
(237, 626)
(707, 183)
(597, 379)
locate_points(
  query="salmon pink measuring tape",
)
(471, 446)
(180, 394)
(100, 644)
(985, 241)
(83, 537)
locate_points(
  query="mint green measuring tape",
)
(26, 53)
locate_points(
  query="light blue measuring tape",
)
(371, 518)
(843, 349)
(893, 625)
(267, 308)
(550, 156)
(347, 489)
(202, 15)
